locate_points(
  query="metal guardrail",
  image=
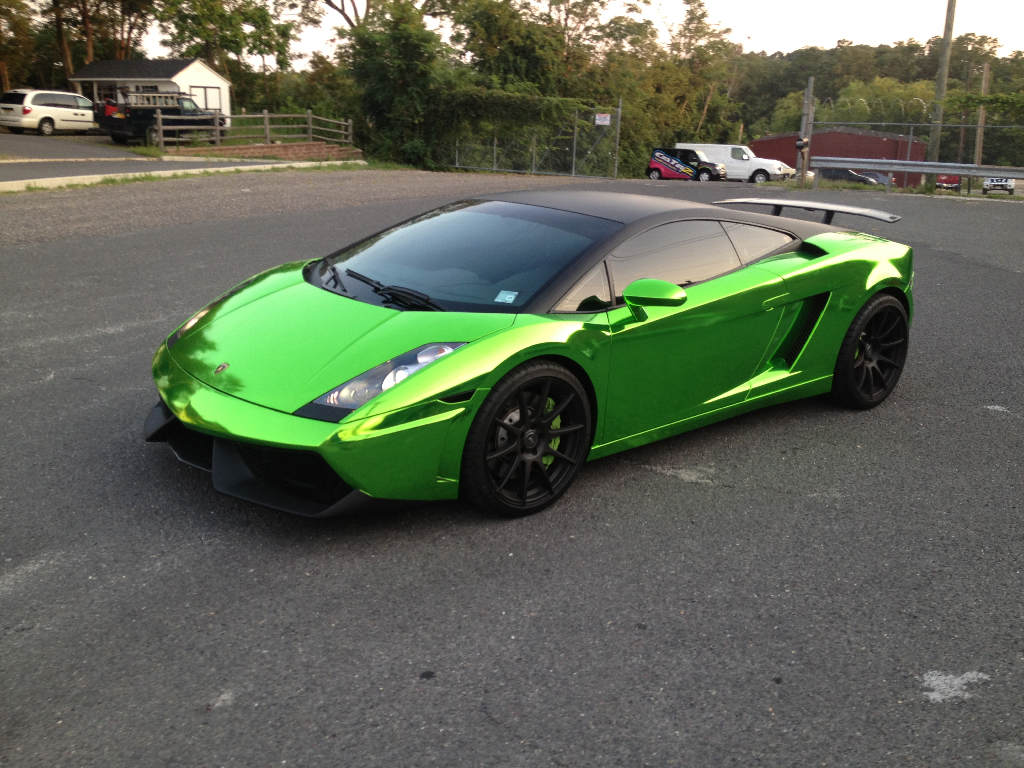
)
(915, 166)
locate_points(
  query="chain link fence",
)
(585, 145)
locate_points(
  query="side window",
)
(65, 100)
(737, 153)
(754, 242)
(591, 294)
(689, 156)
(83, 103)
(682, 252)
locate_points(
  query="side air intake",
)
(815, 305)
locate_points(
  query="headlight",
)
(363, 388)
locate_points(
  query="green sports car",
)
(485, 350)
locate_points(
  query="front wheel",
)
(873, 353)
(654, 174)
(759, 177)
(528, 441)
(704, 176)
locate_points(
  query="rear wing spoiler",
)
(829, 210)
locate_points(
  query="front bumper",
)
(304, 466)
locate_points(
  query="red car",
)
(947, 181)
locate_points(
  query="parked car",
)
(789, 172)
(947, 181)
(45, 112)
(134, 116)
(844, 174)
(683, 164)
(880, 178)
(740, 162)
(993, 183)
(486, 349)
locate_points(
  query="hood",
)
(286, 348)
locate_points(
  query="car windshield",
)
(750, 152)
(472, 256)
(702, 157)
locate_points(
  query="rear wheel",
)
(654, 174)
(528, 441)
(45, 127)
(152, 136)
(873, 353)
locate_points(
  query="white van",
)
(45, 112)
(741, 164)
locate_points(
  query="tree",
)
(16, 44)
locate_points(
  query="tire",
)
(152, 139)
(873, 354)
(45, 127)
(17, 131)
(759, 177)
(984, 191)
(511, 468)
(119, 138)
(704, 176)
(654, 174)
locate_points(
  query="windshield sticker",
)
(506, 297)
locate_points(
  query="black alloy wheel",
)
(654, 174)
(873, 353)
(704, 175)
(528, 442)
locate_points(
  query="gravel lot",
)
(800, 586)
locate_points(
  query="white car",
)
(741, 164)
(45, 112)
(789, 172)
(993, 183)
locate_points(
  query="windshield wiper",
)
(398, 294)
(333, 269)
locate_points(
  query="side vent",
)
(459, 397)
(812, 250)
(814, 306)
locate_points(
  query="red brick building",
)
(846, 142)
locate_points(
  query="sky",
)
(786, 25)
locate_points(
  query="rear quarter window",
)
(752, 242)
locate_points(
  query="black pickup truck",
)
(134, 116)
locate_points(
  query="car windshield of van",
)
(750, 152)
(472, 256)
(702, 157)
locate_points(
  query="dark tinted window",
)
(682, 252)
(475, 256)
(591, 294)
(689, 156)
(12, 98)
(754, 242)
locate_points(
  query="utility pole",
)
(980, 138)
(941, 79)
(806, 120)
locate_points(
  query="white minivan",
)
(741, 164)
(45, 112)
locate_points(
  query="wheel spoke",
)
(889, 329)
(544, 393)
(863, 375)
(891, 344)
(565, 430)
(559, 455)
(512, 446)
(524, 412)
(557, 410)
(545, 479)
(884, 359)
(514, 429)
(526, 479)
(508, 475)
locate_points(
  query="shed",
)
(102, 79)
(847, 142)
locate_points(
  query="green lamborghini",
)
(485, 350)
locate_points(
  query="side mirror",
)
(746, 157)
(648, 292)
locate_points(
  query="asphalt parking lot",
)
(803, 585)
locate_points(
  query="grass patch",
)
(147, 151)
(371, 165)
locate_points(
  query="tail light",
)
(26, 110)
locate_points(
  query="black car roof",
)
(631, 208)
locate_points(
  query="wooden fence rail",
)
(218, 130)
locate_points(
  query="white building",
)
(101, 79)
